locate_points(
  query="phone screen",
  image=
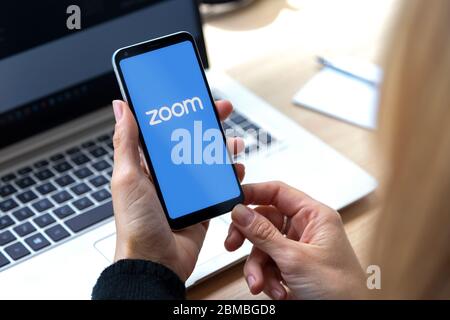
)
(180, 129)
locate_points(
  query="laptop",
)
(56, 158)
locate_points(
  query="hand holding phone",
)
(142, 229)
(181, 136)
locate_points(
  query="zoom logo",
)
(178, 109)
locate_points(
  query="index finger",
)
(285, 198)
(224, 109)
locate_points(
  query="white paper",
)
(341, 96)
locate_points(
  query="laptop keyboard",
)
(55, 198)
(254, 136)
(58, 197)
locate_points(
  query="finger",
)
(285, 198)
(272, 282)
(240, 171)
(235, 239)
(235, 145)
(205, 225)
(257, 258)
(302, 211)
(254, 270)
(259, 231)
(272, 214)
(126, 139)
(224, 109)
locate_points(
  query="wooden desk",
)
(270, 47)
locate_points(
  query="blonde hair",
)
(412, 242)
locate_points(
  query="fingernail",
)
(251, 281)
(118, 111)
(242, 215)
(277, 294)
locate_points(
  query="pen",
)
(342, 69)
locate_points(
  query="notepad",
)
(342, 96)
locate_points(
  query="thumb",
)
(259, 231)
(126, 138)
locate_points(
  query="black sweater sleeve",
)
(138, 280)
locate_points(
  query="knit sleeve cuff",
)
(138, 280)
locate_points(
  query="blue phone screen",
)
(180, 129)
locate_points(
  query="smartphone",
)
(164, 83)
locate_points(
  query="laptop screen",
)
(51, 73)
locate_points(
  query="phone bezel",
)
(155, 44)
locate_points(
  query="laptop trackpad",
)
(106, 247)
(213, 244)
